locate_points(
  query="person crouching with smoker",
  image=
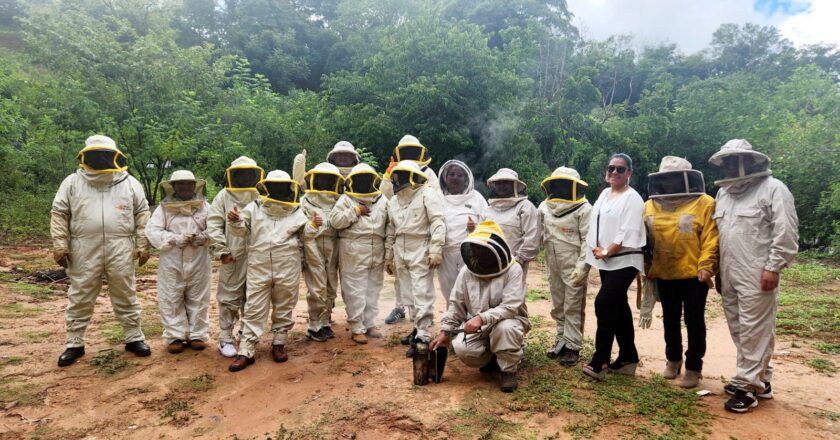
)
(487, 305)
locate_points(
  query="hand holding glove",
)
(649, 297)
(389, 267)
(142, 257)
(579, 277)
(435, 260)
(62, 257)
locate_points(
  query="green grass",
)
(38, 292)
(810, 314)
(35, 335)
(149, 321)
(11, 360)
(476, 422)
(811, 274)
(536, 321)
(537, 295)
(199, 383)
(827, 347)
(828, 415)
(824, 366)
(17, 310)
(634, 407)
(25, 394)
(108, 362)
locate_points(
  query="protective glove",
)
(389, 267)
(62, 257)
(142, 257)
(579, 276)
(180, 240)
(435, 260)
(299, 167)
(391, 166)
(649, 298)
(199, 240)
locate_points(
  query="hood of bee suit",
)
(485, 251)
(410, 148)
(343, 147)
(362, 184)
(564, 190)
(741, 149)
(100, 162)
(184, 207)
(505, 201)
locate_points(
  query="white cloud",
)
(690, 23)
(816, 25)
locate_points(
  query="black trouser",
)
(614, 318)
(676, 296)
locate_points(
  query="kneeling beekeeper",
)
(487, 305)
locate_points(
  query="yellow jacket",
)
(684, 240)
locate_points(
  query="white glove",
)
(299, 167)
(649, 298)
(579, 277)
(199, 239)
(180, 240)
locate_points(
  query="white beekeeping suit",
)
(414, 240)
(488, 295)
(565, 222)
(759, 234)
(322, 185)
(361, 216)
(178, 228)
(458, 209)
(240, 181)
(97, 222)
(275, 226)
(517, 216)
(408, 148)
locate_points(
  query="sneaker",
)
(768, 392)
(508, 382)
(374, 333)
(316, 335)
(741, 402)
(407, 340)
(328, 332)
(175, 346)
(359, 338)
(570, 358)
(491, 366)
(730, 389)
(227, 349)
(396, 315)
(672, 369)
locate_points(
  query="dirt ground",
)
(335, 389)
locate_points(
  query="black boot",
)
(70, 355)
(407, 340)
(139, 348)
(490, 367)
(570, 358)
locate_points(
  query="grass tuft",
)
(823, 366)
(537, 295)
(108, 362)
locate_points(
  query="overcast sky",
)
(690, 23)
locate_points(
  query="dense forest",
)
(195, 83)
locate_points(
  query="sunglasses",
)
(616, 169)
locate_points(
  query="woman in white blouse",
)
(615, 239)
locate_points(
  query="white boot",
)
(672, 369)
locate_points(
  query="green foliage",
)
(109, 362)
(822, 365)
(195, 83)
